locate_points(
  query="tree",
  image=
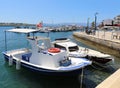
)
(93, 24)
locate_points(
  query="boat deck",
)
(17, 51)
(91, 52)
(112, 81)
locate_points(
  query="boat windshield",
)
(74, 48)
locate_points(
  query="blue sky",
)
(57, 11)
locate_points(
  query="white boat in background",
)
(71, 47)
(44, 58)
(74, 50)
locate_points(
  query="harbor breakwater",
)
(103, 40)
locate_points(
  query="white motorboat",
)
(74, 50)
(44, 58)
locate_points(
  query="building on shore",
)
(108, 22)
(111, 23)
(117, 20)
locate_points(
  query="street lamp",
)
(95, 20)
(88, 23)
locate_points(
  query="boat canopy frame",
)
(22, 31)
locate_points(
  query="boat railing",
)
(57, 41)
(85, 50)
(18, 50)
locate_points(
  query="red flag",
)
(39, 25)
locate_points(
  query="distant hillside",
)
(44, 24)
(16, 24)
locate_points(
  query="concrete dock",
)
(113, 81)
(103, 38)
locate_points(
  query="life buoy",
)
(54, 50)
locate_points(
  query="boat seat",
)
(26, 57)
(65, 62)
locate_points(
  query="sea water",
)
(23, 78)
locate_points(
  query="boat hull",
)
(99, 59)
(48, 72)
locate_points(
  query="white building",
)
(117, 19)
(108, 22)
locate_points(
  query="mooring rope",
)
(82, 74)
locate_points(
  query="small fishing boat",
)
(74, 50)
(44, 58)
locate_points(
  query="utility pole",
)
(88, 23)
(95, 21)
